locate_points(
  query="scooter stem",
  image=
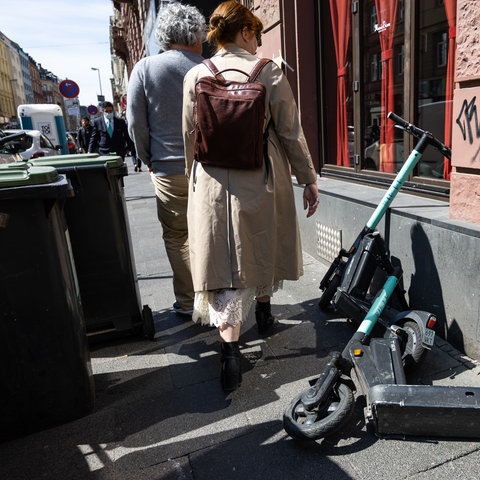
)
(378, 305)
(397, 184)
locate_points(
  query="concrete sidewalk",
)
(161, 413)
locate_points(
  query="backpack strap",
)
(211, 66)
(258, 68)
(251, 78)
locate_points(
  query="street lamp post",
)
(99, 81)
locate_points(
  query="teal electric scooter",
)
(378, 361)
(347, 284)
(344, 264)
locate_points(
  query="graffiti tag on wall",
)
(466, 128)
(467, 120)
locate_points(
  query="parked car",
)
(8, 148)
(74, 134)
(71, 143)
(29, 144)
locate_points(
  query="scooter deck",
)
(426, 410)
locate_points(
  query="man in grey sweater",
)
(154, 117)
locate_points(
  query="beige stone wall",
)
(465, 197)
(465, 125)
(468, 39)
(465, 179)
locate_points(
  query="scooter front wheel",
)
(324, 420)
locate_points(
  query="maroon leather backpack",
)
(229, 119)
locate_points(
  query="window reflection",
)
(383, 151)
(432, 82)
(390, 63)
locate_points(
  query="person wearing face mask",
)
(110, 134)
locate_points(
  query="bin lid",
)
(79, 160)
(69, 156)
(12, 175)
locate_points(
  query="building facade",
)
(26, 75)
(132, 37)
(127, 26)
(23, 81)
(7, 106)
(35, 80)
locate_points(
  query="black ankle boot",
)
(231, 375)
(263, 316)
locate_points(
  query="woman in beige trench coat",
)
(243, 231)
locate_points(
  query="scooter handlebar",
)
(419, 133)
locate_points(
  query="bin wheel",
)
(329, 291)
(414, 349)
(148, 327)
(326, 419)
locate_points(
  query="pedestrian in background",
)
(243, 229)
(110, 134)
(154, 115)
(84, 134)
(137, 164)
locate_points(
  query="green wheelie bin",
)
(97, 220)
(46, 376)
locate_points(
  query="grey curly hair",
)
(179, 24)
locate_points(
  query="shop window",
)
(401, 61)
(380, 150)
(435, 81)
(442, 50)
(401, 11)
(373, 19)
(340, 21)
(374, 68)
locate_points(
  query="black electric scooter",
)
(347, 283)
(327, 405)
(393, 407)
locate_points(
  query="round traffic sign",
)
(69, 89)
(92, 109)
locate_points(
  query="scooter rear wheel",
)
(325, 420)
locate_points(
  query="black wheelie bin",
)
(97, 220)
(45, 375)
